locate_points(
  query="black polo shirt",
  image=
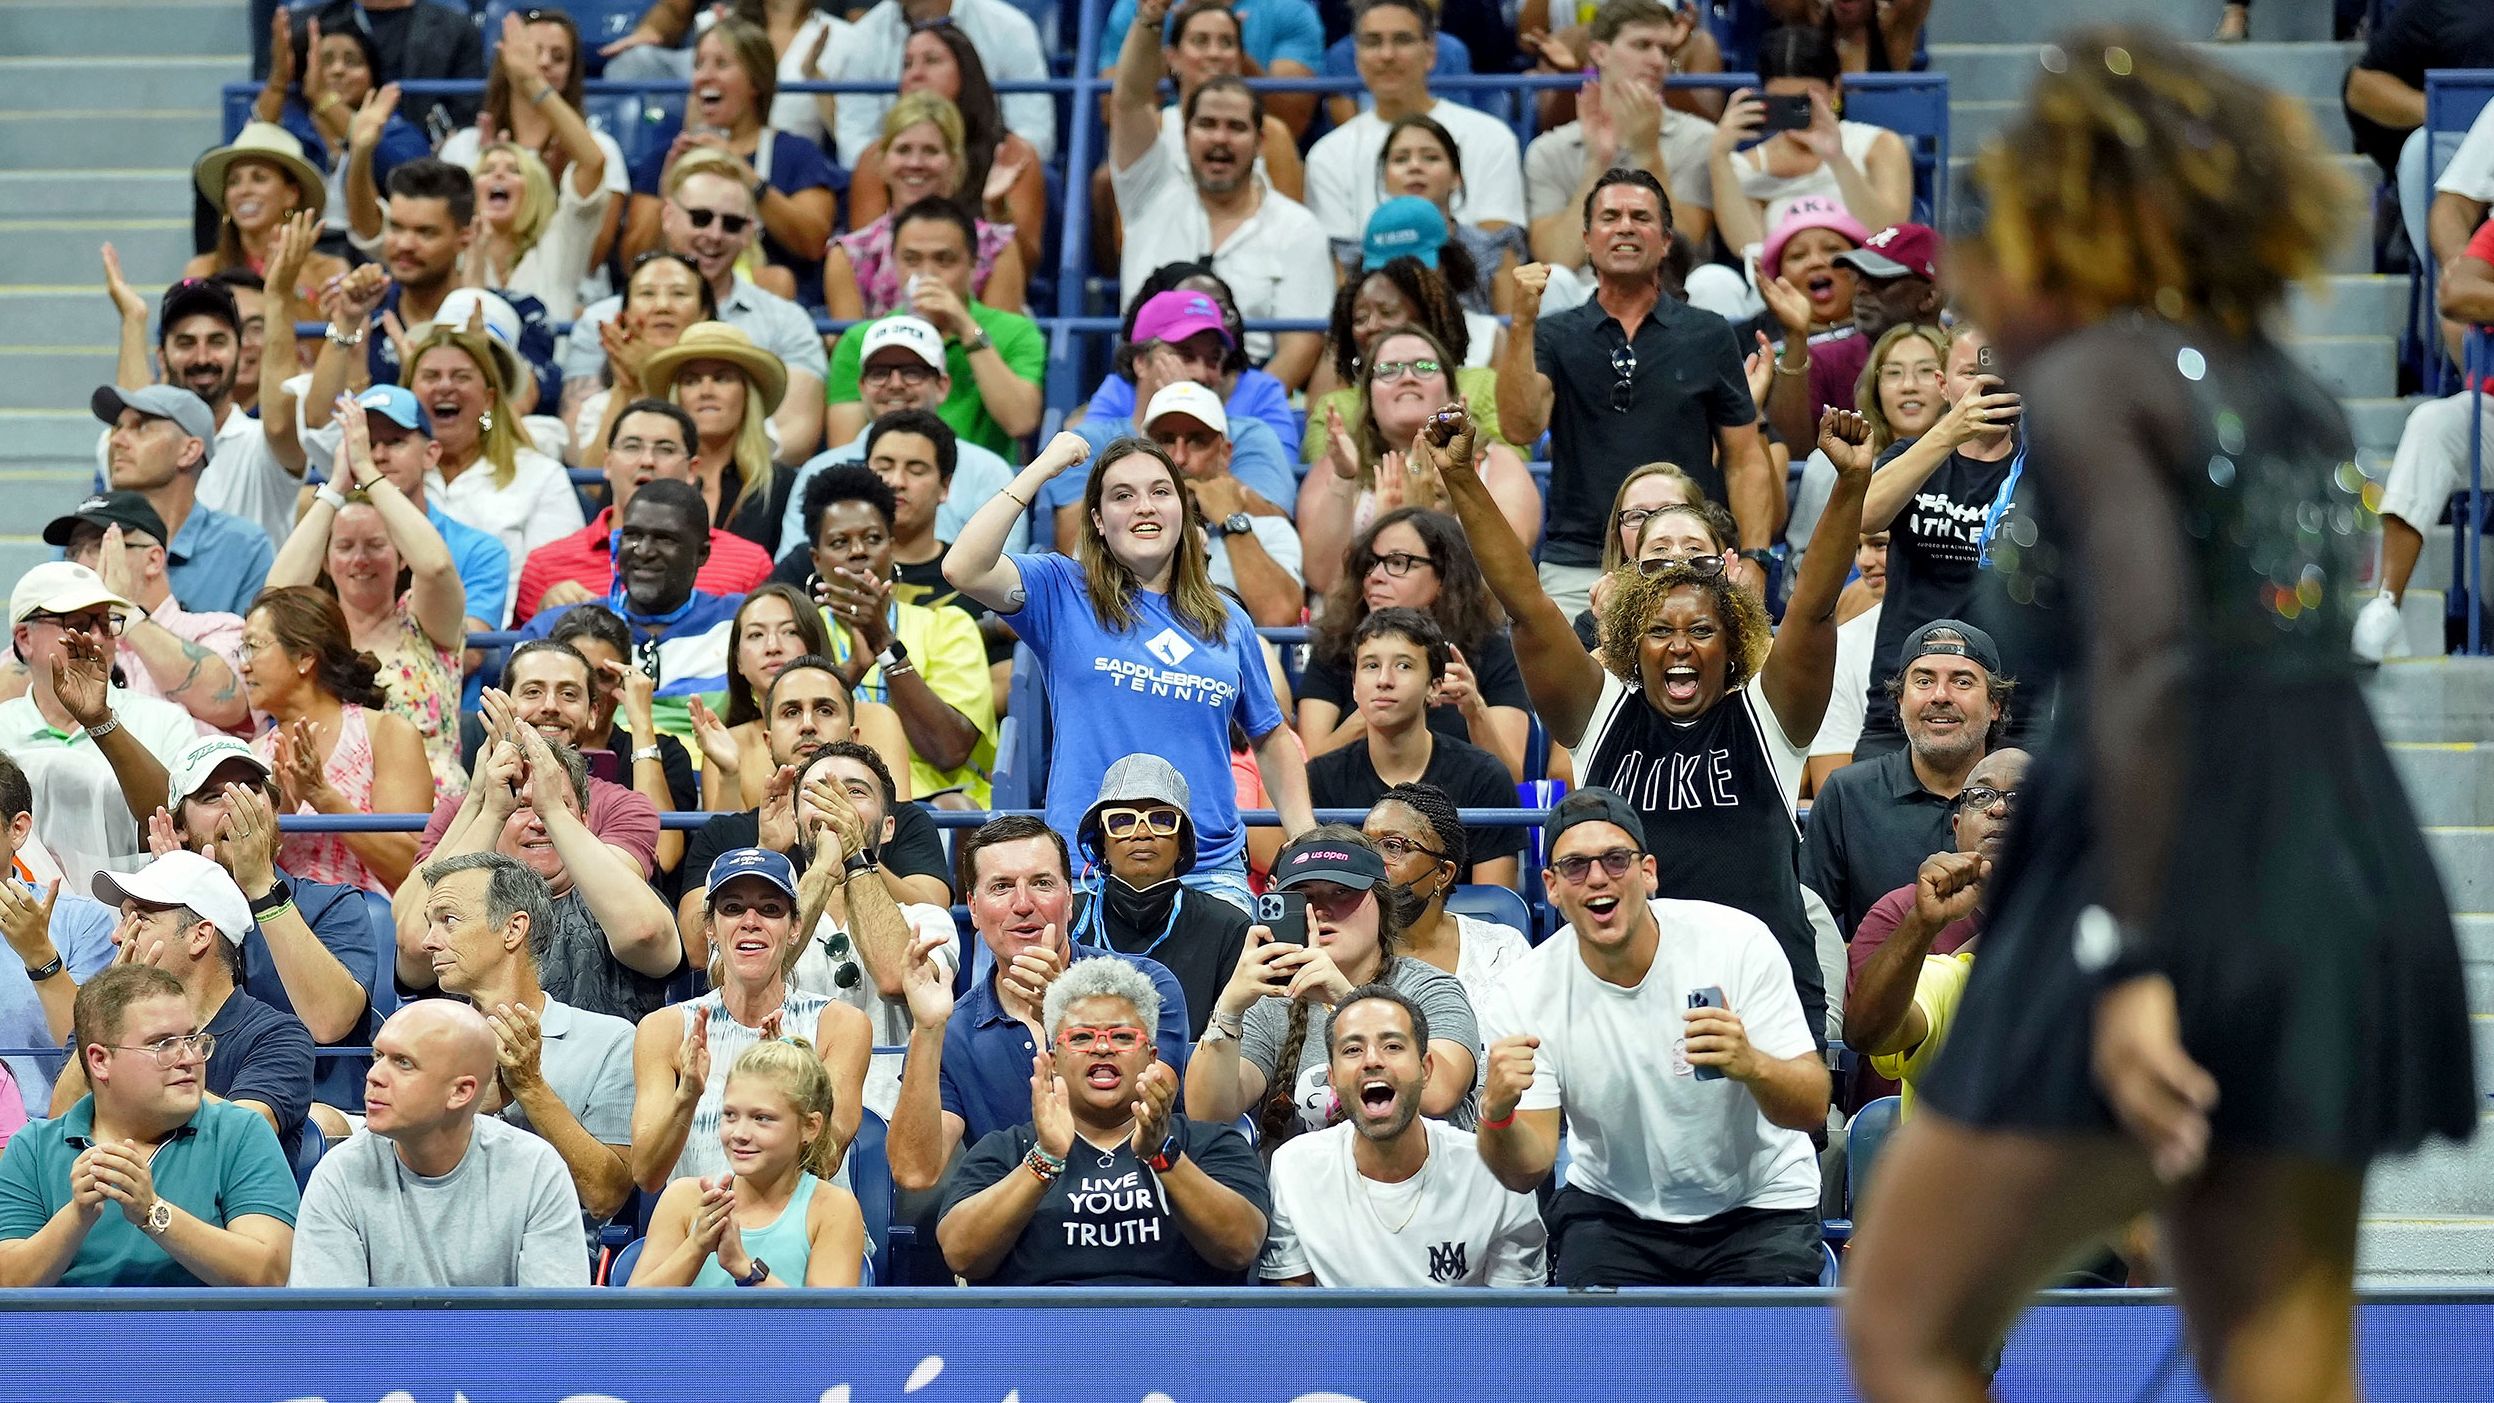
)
(1871, 826)
(1688, 384)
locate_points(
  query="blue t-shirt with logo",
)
(1156, 687)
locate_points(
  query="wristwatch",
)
(858, 865)
(273, 898)
(1761, 558)
(37, 976)
(159, 1218)
(972, 345)
(761, 1272)
(893, 655)
(1238, 524)
(1167, 1158)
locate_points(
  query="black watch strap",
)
(35, 975)
(274, 897)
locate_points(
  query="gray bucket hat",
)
(1141, 779)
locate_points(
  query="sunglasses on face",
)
(1706, 567)
(1122, 823)
(729, 224)
(1616, 862)
(1087, 1040)
(1399, 369)
(107, 623)
(1983, 796)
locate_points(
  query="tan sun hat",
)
(262, 141)
(718, 341)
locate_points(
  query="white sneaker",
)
(2378, 634)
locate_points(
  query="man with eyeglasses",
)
(650, 441)
(95, 753)
(191, 659)
(901, 367)
(1139, 835)
(1106, 1183)
(1669, 1036)
(562, 1073)
(184, 915)
(145, 1181)
(859, 951)
(1629, 377)
(708, 217)
(1909, 960)
(1395, 43)
(994, 360)
(1876, 819)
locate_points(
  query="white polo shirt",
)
(1277, 263)
(79, 812)
(1642, 1130)
(1342, 170)
(817, 971)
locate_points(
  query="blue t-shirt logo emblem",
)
(1170, 647)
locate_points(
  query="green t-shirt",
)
(222, 1166)
(1017, 339)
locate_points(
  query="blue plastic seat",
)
(870, 1178)
(307, 1153)
(1497, 905)
(1864, 1137)
(619, 1272)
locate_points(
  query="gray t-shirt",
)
(1441, 999)
(575, 965)
(507, 1215)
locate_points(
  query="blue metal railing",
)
(2469, 522)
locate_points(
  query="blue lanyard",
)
(2000, 508)
(1094, 930)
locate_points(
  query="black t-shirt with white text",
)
(1106, 1221)
(1932, 574)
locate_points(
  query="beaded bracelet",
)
(1043, 1166)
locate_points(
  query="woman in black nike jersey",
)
(1696, 712)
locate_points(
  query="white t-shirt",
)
(1642, 1130)
(1483, 951)
(1459, 1225)
(817, 971)
(2471, 171)
(1342, 170)
(1277, 263)
(242, 479)
(1848, 697)
(1556, 161)
(1279, 538)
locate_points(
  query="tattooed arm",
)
(977, 565)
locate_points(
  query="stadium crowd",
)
(1643, 457)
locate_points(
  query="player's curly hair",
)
(2142, 175)
(1636, 598)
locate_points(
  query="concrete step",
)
(138, 28)
(2440, 1180)
(37, 84)
(2433, 699)
(40, 377)
(2465, 856)
(21, 554)
(2433, 563)
(55, 435)
(2377, 420)
(2449, 782)
(37, 194)
(2347, 304)
(2354, 366)
(49, 314)
(2425, 1251)
(170, 134)
(2476, 955)
(42, 251)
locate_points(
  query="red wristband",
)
(1499, 1124)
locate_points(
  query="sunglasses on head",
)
(1705, 567)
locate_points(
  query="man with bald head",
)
(429, 1193)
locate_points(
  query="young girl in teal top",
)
(772, 1219)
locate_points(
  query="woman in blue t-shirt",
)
(1135, 644)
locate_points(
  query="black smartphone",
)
(1285, 913)
(1708, 997)
(1788, 113)
(1987, 362)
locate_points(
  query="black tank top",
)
(1718, 814)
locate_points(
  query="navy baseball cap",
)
(1318, 858)
(1954, 637)
(774, 868)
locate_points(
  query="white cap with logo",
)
(62, 587)
(1192, 400)
(916, 335)
(181, 879)
(195, 762)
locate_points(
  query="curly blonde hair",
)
(1637, 598)
(2144, 176)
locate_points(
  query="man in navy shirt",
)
(968, 1070)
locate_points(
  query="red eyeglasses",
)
(1087, 1040)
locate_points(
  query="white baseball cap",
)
(181, 879)
(61, 587)
(1192, 400)
(195, 762)
(915, 334)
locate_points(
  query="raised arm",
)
(363, 136)
(1983, 408)
(438, 599)
(922, 1134)
(976, 564)
(640, 933)
(1801, 665)
(324, 994)
(82, 682)
(1560, 676)
(131, 369)
(1134, 103)
(1880, 191)
(1519, 1146)
(1525, 395)
(277, 353)
(1739, 221)
(1880, 1015)
(519, 59)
